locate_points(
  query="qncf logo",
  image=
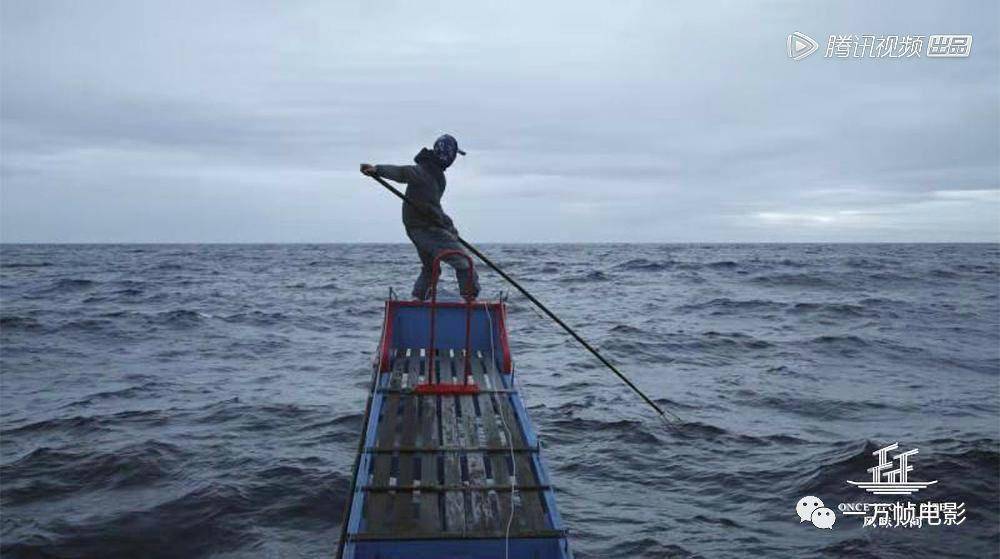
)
(889, 476)
(811, 509)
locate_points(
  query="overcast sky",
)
(583, 121)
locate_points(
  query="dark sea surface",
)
(205, 401)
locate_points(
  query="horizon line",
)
(406, 243)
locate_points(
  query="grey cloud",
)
(590, 122)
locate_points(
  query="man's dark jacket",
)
(425, 185)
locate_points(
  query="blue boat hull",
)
(449, 464)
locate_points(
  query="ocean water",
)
(205, 401)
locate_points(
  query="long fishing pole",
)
(663, 414)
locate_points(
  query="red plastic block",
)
(438, 388)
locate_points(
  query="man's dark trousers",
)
(431, 241)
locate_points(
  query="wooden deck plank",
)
(468, 486)
(407, 504)
(385, 436)
(515, 499)
(477, 369)
(376, 504)
(454, 503)
(531, 510)
(506, 416)
(398, 360)
(466, 411)
(528, 513)
(450, 367)
(487, 413)
(500, 499)
(410, 425)
(427, 435)
(429, 518)
(420, 365)
(474, 468)
(486, 435)
(495, 379)
(484, 517)
(430, 503)
(379, 507)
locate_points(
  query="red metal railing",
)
(434, 384)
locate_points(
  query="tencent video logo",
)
(800, 46)
(881, 46)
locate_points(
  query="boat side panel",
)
(540, 548)
(409, 326)
(385, 344)
(543, 475)
(356, 521)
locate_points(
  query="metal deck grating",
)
(441, 464)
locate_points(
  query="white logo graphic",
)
(811, 509)
(874, 46)
(882, 46)
(887, 480)
(889, 477)
(906, 515)
(806, 507)
(949, 46)
(800, 46)
(823, 518)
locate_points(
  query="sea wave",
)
(206, 401)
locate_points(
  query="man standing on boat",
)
(427, 226)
